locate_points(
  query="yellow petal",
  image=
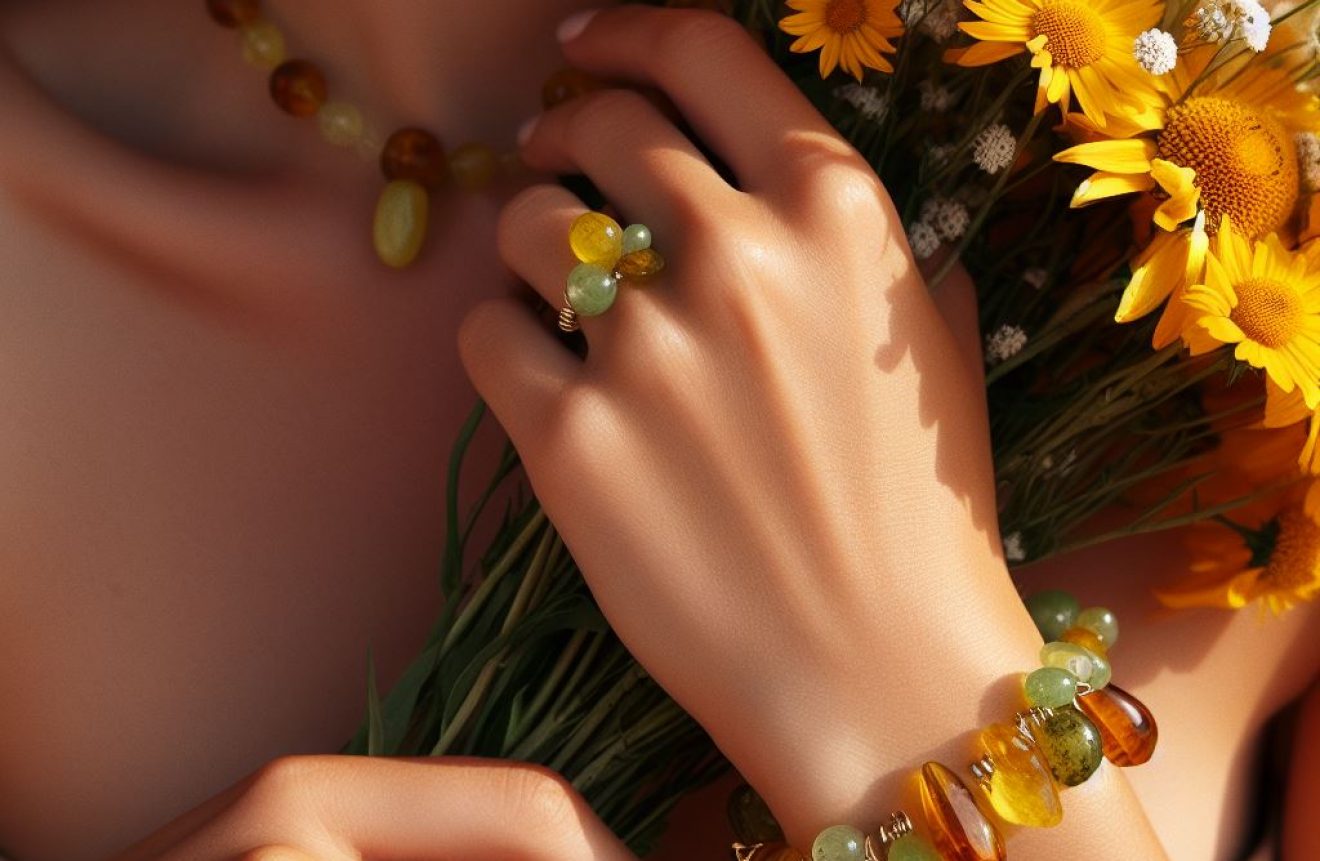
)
(1156, 272)
(982, 53)
(1132, 155)
(1101, 185)
(1184, 196)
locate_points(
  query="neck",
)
(471, 68)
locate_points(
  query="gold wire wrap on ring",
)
(568, 318)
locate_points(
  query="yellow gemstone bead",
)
(1086, 638)
(473, 166)
(640, 264)
(597, 239)
(263, 44)
(400, 225)
(340, 123)
(1021, 788)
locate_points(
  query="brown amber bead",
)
(1128, 732)
(639, 265)
(1086, 638)
(298, 87)
(567, 83)
(415, 155)
(473, 166)
(234, 13)
(960, 831)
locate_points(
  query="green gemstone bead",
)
(1101, 622)
(1102, 671)
(1051, 687)
(839, 843)
(636, 237)
(1076, 659)
(1053, 611)
(1071, 743)
(912, 847)
(591, 289)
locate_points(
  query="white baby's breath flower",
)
(1156, 51)
(868, 101)
(1006, 341)
(1253, 23)
(949, 217)
(1308, 159)
(1013, 549)
(938, 19)
(1036, 277)
(924, 239)
(939, 154)
(934, 99)
(1212, 22)
(994, 148)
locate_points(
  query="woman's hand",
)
(773, 466)
(327, 808)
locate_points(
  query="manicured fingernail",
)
(574, 24)
(526, 129)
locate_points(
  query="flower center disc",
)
(845, 16)
(1075, 33)
(1246, 166)
(1267, 312)
(1296, 552)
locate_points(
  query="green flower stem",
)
(492, 579)
(549, 687)
(604, 707)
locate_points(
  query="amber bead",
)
(640, 264)
(298, 87)
(1086, 638)
(1128, 731)
(263, 45)
(415, 155)
(1020, 787)
(473, 166)
(960, 831)
(234, 13)
(567, 83)
(597, 239)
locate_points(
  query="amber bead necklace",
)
(412, 159)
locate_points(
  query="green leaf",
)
(375, 722)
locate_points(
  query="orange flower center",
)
(1268, 312)
(845, 16)
(1075, 33)
(1246, 165)
(1295, 562)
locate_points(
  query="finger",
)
(639, 160)
(515, 364)
(533, 240)
(735, 97)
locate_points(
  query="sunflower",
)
(1081, 47)
(1275, 561)
(1266, 300)
(1225, 150)
(849, 33)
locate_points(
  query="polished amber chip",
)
(1128, 731)
(298, 87)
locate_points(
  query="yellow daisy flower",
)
(1082, 48)
(1226, 150)
(851, 34)
(1285, 409)
(1276, 564)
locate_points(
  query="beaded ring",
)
(607, 254)
(1074, 720)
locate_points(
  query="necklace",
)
(414, 163)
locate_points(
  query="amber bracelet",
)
(1074, 719)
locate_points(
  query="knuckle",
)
(542, 799)
(283, 782)
(603, 114)
(697, 33)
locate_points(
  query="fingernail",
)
(574, 24)
(526, 129)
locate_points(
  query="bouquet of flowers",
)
(1131, 185)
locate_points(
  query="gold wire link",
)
(568, 318)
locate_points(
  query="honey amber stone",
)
(234, 13)
(298, 87)
(263, 44)
(1020, 789)
(567, 83)
(960, 831)
(1127, 728)
(1085, 638)
(400, 225)
(597, 239)
(415, 154)
(640, 264)
(473, 166)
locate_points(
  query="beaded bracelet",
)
(1074, 719)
